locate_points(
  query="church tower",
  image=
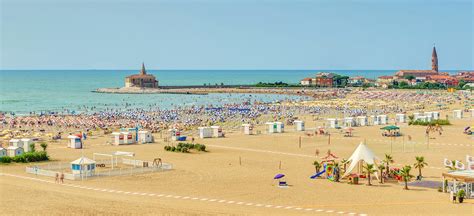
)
(143, 71)
(434, 60)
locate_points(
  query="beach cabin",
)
(383, 119)
(429, 114)
(3, 152)
(375, 120)
(205, 132)
(128, 137)
(400, 118)
(217, 131)
(145, 137)
(175, 134)
(280, 127)
(13, 151)
(416, 115)
(270, 127)
(429, 118)
(75, 142)
(118, 138)
(472, 112)
(457, 114)
(349, 122)
(436, 115)
(248, 128)
(15, 142)
(422, 118)
(362, 121)
(299, 125)
(26, 143)
(333, 123)
(83, 166)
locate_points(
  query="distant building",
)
(467, 76)
(142, 80)
(421, 75)
(384, 81)
(324, 80)
(306, 81)
(443, 79)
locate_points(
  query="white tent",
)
(361, 154)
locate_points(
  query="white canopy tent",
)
(361, 154)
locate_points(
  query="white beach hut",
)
(83, 166)
(383, 119)
(271, 127)
(15, 142)
(436, 115)
(375, 120)
(362, 121)
(145, 137)
(349, 122)
(26, 142)
(75, 142)
(280, 127)
(416, 115)
(248, 128)
(3, 152)
(333, 123)
(205, 132)
(217, 131)
(13, 151)
(457, 114)
(299, 125)
(118, 138)
(128, 137)
(428, 114)
(400, 118)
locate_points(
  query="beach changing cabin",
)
(400, 118)
(3, 152)
(436, 115)
(383, 119)
(205, 132)
(248, 128)
(75, 142)
(145, 137)
(26, 142)
(217, 131)
(118, 138)
(457, 114)
(299, 125)
(362, 121)
(415, 116)
(280, 127)
(349, 122)
(271, 128)
(472, 112)
(13, 151)
(333, 123)
(15, 142)
(128, 137)
(375, 120)
(83, 166)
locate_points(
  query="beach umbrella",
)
(279, 176)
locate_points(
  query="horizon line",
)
(90, 69)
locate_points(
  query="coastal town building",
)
(306, 81)
(324, 79)
(141, 80)
(420, 75)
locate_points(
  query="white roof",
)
(246, 125)
(215, 126)
(1, 149)
(72, 137)
(13, 147)
(116, 133)
(121, 153)
(400, 114)
(14, 140)
(268, 122)
(83, 160)
(25, 139)
(143, 131)
(361, 153)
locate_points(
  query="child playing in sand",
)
(61, 178)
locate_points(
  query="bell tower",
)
(434, 60)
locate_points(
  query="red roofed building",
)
(422, 74)
(443, 79)
(142, 80)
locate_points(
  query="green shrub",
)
(461, 193)
(184, 150)
(432, 123)
(32, 147)
(5, 159)
(173, 148)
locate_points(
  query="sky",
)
(225, 34)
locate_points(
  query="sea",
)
(70, 91)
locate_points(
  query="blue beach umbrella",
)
(279, 176)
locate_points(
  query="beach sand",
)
(213, 183)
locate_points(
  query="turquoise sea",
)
(24, 91)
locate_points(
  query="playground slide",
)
(318, 174)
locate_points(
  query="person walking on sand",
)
(56, 180)
(61, 178)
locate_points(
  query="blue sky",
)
(224, 34)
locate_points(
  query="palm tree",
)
(369, 168)
(388, 160)
(405, 173)
(317, 166)
(344, 163)
(44, 146)
(420, 164)
(381, 167)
